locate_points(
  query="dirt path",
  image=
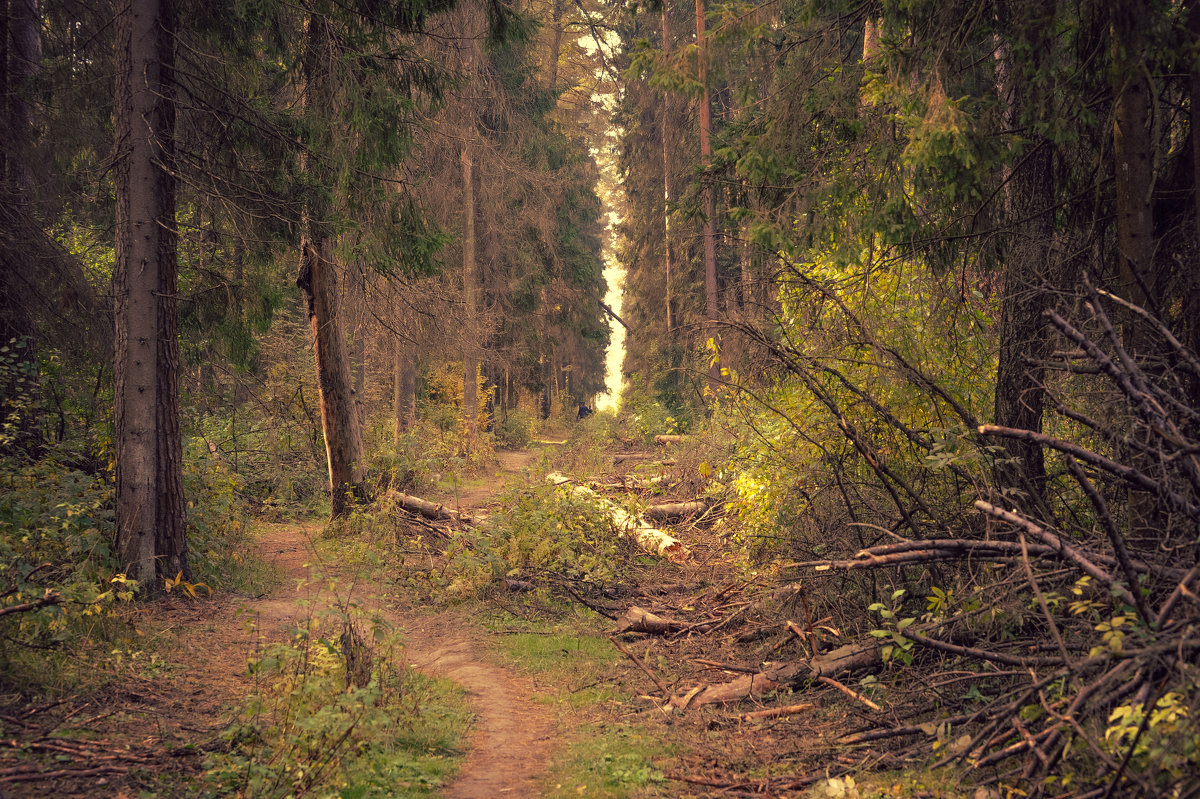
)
(513, 737)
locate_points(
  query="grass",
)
(335, 712)
(602, 760)
(601, 755)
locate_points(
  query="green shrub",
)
(543, 531)
(516, 429)
(335, 713)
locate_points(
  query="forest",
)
(466, 398)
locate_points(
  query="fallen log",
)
(647, 536)
(774, 676)
(640, 620)
(669, 511)
(668, 439)
(430, 510)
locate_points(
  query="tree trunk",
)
(1133, 159)
(151, 539)
(668, 195)
(712, 310)
(24, 64)
(470, 362)
(557, 29)
(339, 416)
(1024, 332)
(357, 297)
(1191, 298)
(405, 387)
(317, 278)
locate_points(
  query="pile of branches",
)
(1057, 632)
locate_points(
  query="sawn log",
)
(430, 510)
(781, 675)
(670, 511)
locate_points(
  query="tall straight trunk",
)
(356, 301)
(1133, 158)
(557, 29)
(1029, 272)
(470, 361)
(339, 417)
(317, 278)
(405, 386)
(151, 538)
(712, 310)
(1191, 300)
(668, 195)
(24, 64)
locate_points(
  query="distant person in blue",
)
(584, 411)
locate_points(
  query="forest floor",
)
(558, 711)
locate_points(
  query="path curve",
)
(512, 738)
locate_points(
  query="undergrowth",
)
(335, 712)
(542, 531)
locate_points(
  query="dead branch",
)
(832, 683)
(1127, 473)
(776, 712)
(666, 692)
(50, 598)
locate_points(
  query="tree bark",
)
(712, 308)
(24, 64)
(405, 387)
(470, 361)
(1024, 331)
(317, 278)
(1133, 159)
(151, 539)
(1191, 299)
(339, 415)
(668, 194)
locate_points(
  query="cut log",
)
(781, 675)
(771, 678)
(670, 511)
(647, 536)
(430, 510)
(640, 620)
(668, 439)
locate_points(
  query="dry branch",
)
(640, 620)
(50, 598)
(666, 692)
(777, 712)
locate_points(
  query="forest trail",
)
(512, 739)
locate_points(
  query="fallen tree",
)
(774, 676)
(430, 510)
(647, 536)
(670, 511)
